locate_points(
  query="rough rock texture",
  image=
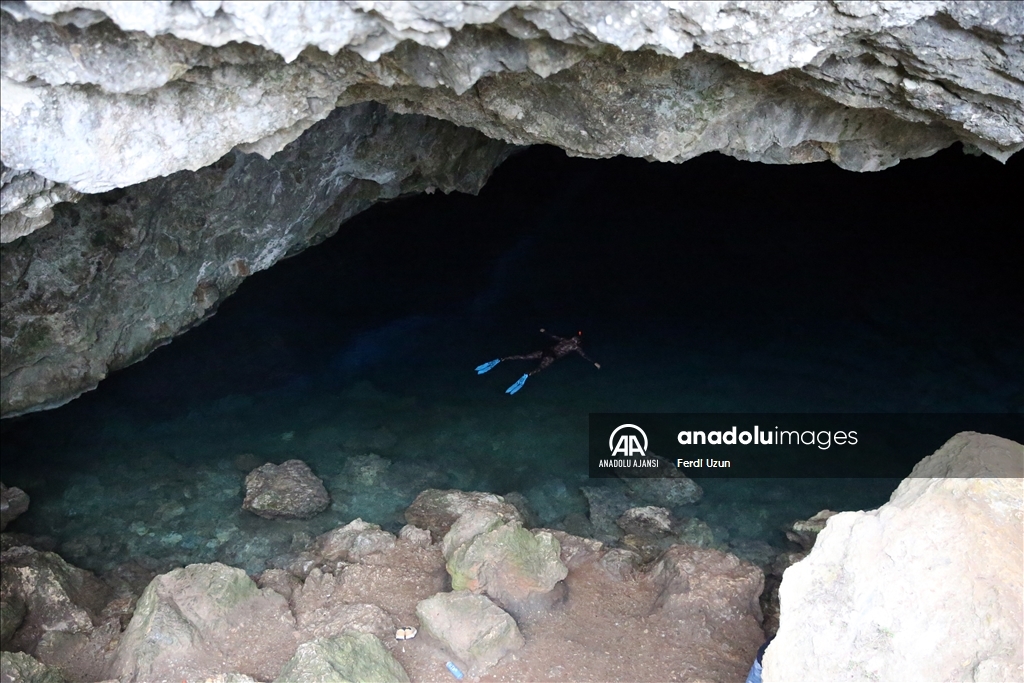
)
(475, 629)
(352, 542)
(320, 614)
(515, 567)
(286, 491)
(119, 274)
(351, 658)
(18, 667)
(202, 620)
(103, 95)
(53, 597)
(926, 588)
(437, 510)
(13, 502)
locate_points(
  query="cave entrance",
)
(711, 286)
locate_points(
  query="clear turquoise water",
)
(715, 286)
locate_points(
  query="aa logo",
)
(628, 443)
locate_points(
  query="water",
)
(714, 286)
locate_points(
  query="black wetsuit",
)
(563, 347)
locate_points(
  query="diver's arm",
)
(553, 336)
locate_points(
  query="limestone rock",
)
(436, 510)
(860, 85)
(712, 590)
(286, 491)
(412, 534)
(515, 567)
(927, 587)
(320, 613)
(352, 542)
(54, 596)
(18, 667)
(648, 521)
(124, 290)
(13, 502)
(475, 629)
(202, 620)
(349, 658)
(804, 532)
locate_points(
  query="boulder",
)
(286, 491)
(352, 542)
(475, 629)
(605, 505)
(13, 502)
(202, 620)
(804, 532)
(349, 658)
(515, 567)
(670, 488)
(926, 588)
(646, 521)
(436, 509)
(712, 590)
(49, 593)
(413, 535)
(322, 612)
(18, 667)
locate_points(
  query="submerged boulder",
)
(475, 629)
(13, 502)
(286, 491)
(927, 587)
(349, 658)
(436, 510)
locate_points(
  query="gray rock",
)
(95, 108)
(437, 510)
(412, 534)
(54, 596)
(607, 504)
(353, 542)
(200, 620)
(672, 489)
(475, 629)
(286, 491)
(13, 502)
(713, 590)
(320, 613)
(646, 521)
(349, 658)
(927, 587)
(18, 667)
(125, 290)
(620, 564)
(515, 567)
(804, 532)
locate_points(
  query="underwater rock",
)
(18, 667)
(437, 510)
(286, 491)
(199, 620)
(927, 587)
(646, 521)
(13, 502)
(343, 659)
(56, 595)
(607, 504)
(712, 590)
(804, 532)
(353, 542)
(515, 567)
(475, 629)
(520, 502)
(670, 488)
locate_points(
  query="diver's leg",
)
(544, 362)
(525, 356)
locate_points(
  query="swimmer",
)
(562, 347)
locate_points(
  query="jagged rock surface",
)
(96, 96)
(927, 587)
(117, 275)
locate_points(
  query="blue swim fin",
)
(517, 386)
(481, 369)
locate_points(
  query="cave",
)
(266, 272)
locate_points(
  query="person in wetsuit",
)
(562, 347)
